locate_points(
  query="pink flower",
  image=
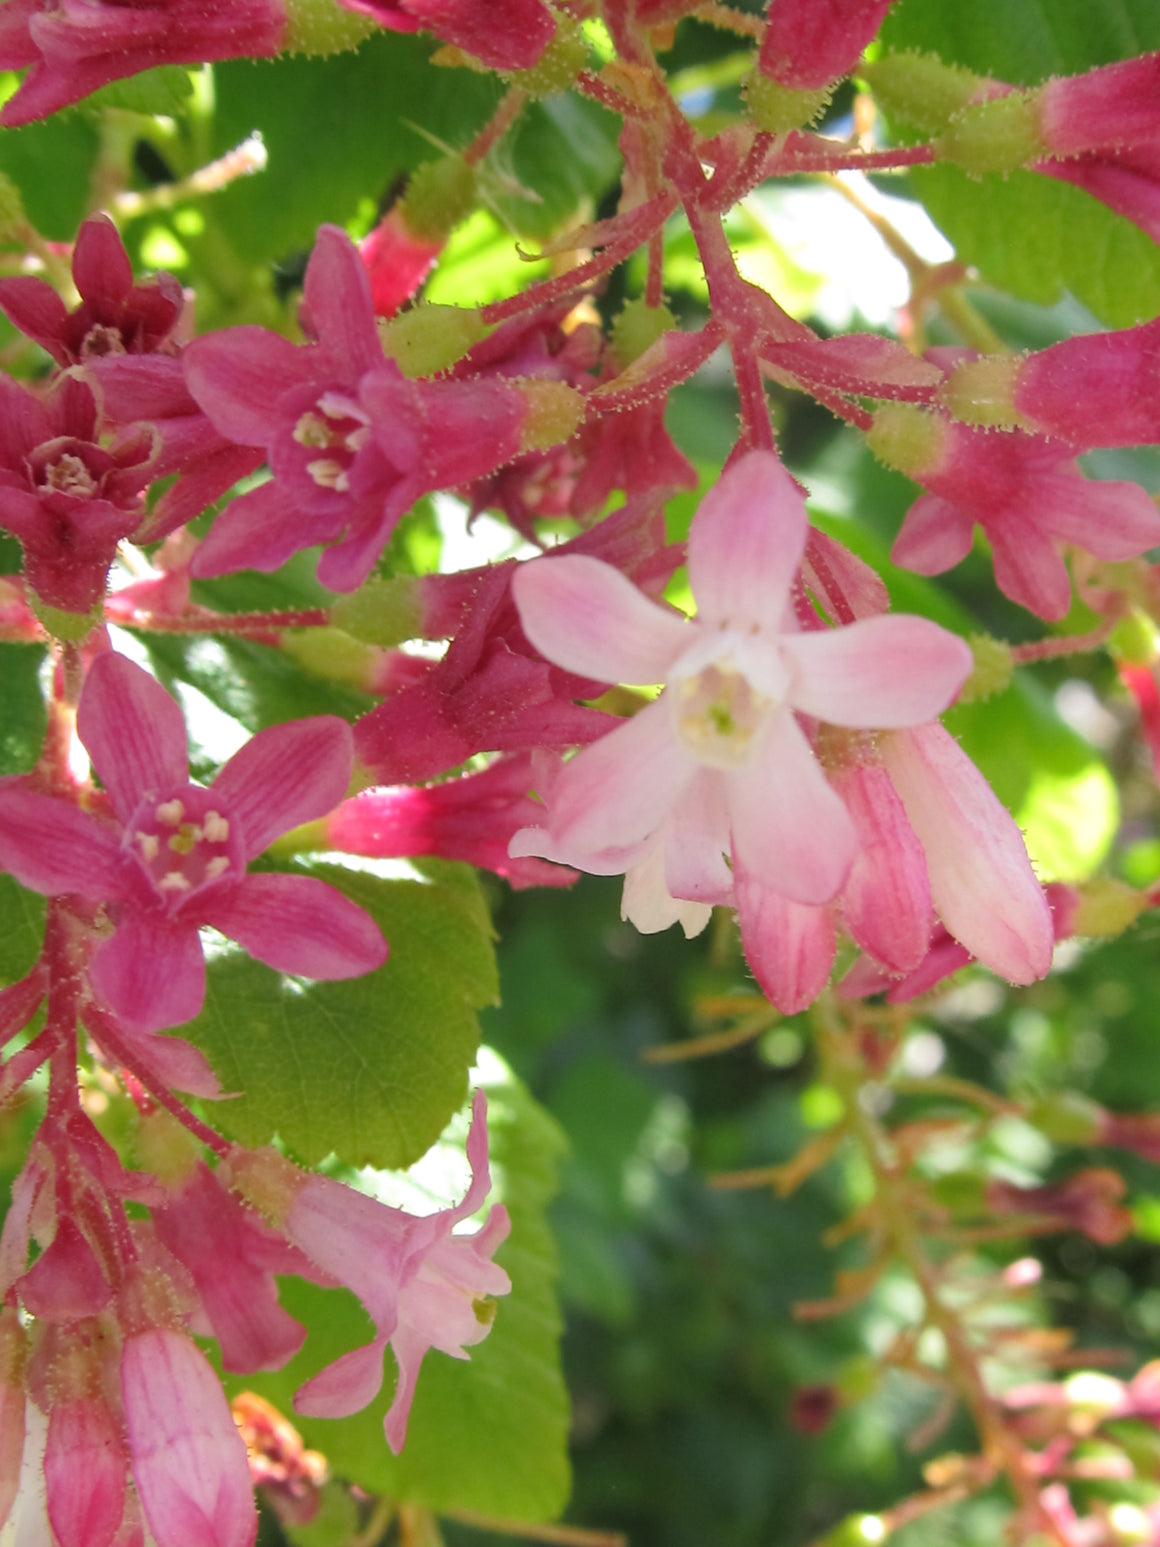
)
(502, 34)
(189, 1461)
(397, 261)
(350, 441)
(422, 1286)
(1028, 495)
(720, 765)
(809, 44)
(75, 46)
(173, 856)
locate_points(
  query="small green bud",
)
(637, 327)
(555, 413)
(69, 627)
(1066, 1117)
(559, 65)
(1107, 907)
(429, 339)
(920, 89)
(997, 136)
(992, 670)
(1134, 640)
(440, 194)
(859, 1378)
(962, 1192)
(319, 27)
(777, 109)
(906, 437)
(983, 392)
(382, 612)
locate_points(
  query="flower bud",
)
(920, 88)
(319, 27)
(559, 64)
(994, 665)
(555, 413)
(997, 136)
(429, 339)
(983, 392)
(907, 438)
(638, 326)
(439, 195)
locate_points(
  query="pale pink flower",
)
(719, 765)
(189, 1461)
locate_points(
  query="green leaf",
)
(165, 89)
(369, 1069)
(67, 145)
(564, 151)
(490, 1434)
(21, 930)
(23, 720)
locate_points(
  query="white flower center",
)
(718, 714)
(183, 844)
(337, 425)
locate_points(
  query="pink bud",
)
(84, 1473)
(189, 1461)
(812, 43)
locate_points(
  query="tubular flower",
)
(502, 34)
(173, 858)
(720, 767)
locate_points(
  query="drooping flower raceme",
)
(717, 779)
(172, 855)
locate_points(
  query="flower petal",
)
(189, 1461)
(746, 543)
(53, 847)
(151, 974)
(300, 925)
(788, 945)
(791, 832)
(238, 377)
(286, 775)
(1029, 569)
(935, 536)
(133, 731)
(589, 618)
(84, 1474)
(346, 1385)
(877, 674)
(981, 879)
(886, 901)
(337, 305)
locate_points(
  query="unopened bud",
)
(382, 612)
(997, 136)
(907, 438)
(983, 392)
(559, 65)
(265, 1179)
(555, 413)
(920, 88)
(1066, 1117)
(319, 27)
(429, 339)
(1134, 640)
(440, 194)
(991, 673)
(778, 109)
(638, 326)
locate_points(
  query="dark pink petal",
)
(788, 945)
(189, 1461)
(589, 618)
(886, 901)
(284, 776)
(1029, 569)
(1110, 518)
(52, 846)
(935, 536)
(239, 376)
(84, 1474)
(746, 544)
(151, 974)
(345, 1386)
(878, 673)
(164, 1060)
(257, 531)
(133, 731)
(66, 1281)
(337, 305)
(33, 306)
(100, 266)
(299, 925)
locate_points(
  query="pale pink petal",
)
(11, 1410)
(886, 901)
(84, 1474)
(981, 879)
(935, 536)
(791, 832)
(589, 618)
(698, 840)
(877, 674)
(1029, 569)
(133, 731)
(476, 1150)
(409, 1348)
(619, 790)
(746, 543)
(1112, 519)
(345, 1386)
(51, 846)
(648, 904)
(300, 925)
(151, 974)
(189, 1461)
(788, 945)
(284, 776)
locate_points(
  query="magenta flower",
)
(189, 1461)
(421, 1285)
(720, 765)
(173, 858)
(115, 316)
(351, 443)
(75, 46)
(502, 34)
(68, 492)
(809, 44)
